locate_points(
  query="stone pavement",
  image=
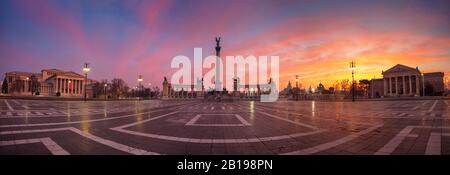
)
(240, 127)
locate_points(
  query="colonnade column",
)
(404, 85)
(390, 86)
(410, 85)
(417, 85)
(396, 86)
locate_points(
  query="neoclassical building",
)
(50, 82)
(402, 80)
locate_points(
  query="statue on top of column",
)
(218, 46)
(217, 41)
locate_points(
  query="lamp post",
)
(104, 89)
(140, 86)
(352, 67)
(86, 70)
(28, 84)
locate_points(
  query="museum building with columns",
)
(50, 82)
(402, 80)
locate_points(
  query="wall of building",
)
(435, 81)
(376, 88)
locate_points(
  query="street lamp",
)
(352, 67)
(104, 87)
(86, 70)
(140, 86)
(28, 84)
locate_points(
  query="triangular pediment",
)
(400, 68)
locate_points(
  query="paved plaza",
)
(239, 127)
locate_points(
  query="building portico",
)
(402, 80)
(50, 82)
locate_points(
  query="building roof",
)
(434, 74)
(57, 72)
(18, 73)
(401, 68)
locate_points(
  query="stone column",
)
(396, 86)
(77, 90)
(25, 85)
(64, 85)
(390, 86)
(69, 85)
(410, 85)
(404, 86)
(417, 86)
(76, 86)
(59, 85)
(56, 85)
(79, 86)
(384, 87)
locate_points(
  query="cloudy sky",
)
(314, 39)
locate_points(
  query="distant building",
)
(376, 89)
(50, 82)
(434, 83)
(402, 80)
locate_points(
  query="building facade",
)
(402, 80)
(50, 82)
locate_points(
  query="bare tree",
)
(345, 85)
(118, 87)
(98, 88)
(336, 87)
(363, 87)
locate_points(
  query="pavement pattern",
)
(153, 127)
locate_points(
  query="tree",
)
(98, 88)
(5, 86)
(336, 87)
(331, 90)
(155, 91)
(118, 87)
(363, 86)
(345, 85)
